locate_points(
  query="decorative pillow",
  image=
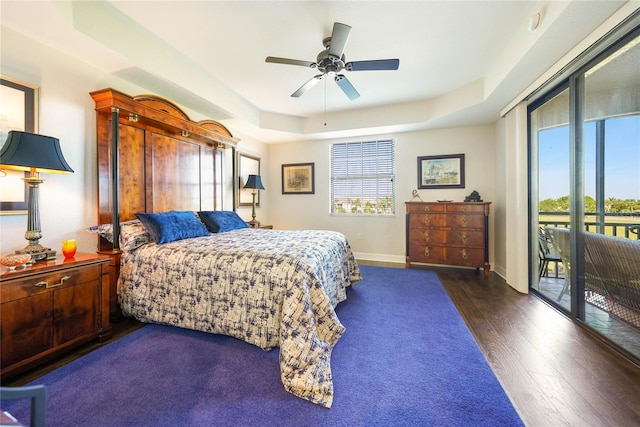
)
(221, 221)
(133, 234)
(168, 227)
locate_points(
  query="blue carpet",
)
(406, 359)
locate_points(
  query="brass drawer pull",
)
(464, 255)
(427, 221)
(48, 286)
(426, 237)
(464, 221)
(464, 237)
(426, 209)
(426, 252)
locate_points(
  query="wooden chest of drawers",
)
(50, 307)
(454, 234)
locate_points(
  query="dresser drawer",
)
(465, 238)
(428, 220)
(428, 254)
(428, 236)
(417, 208)
(468, 208)
(465, 257)
(465, 221)
(23, 288)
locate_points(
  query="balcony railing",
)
(629, 229)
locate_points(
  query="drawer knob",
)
(426, 220)
(464, 209)
(464, 221)
(426, 237)
(464, 255)
(426, 208)
(464, 237)
(426, 252)
(48, 286)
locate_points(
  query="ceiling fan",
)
(332, 61)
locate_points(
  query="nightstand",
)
(50, 307)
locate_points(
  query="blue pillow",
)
(168, 227)
(221, 221)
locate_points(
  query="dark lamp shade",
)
(254, 181)
(25, 151)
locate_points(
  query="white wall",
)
(68, 203)
(380, 238)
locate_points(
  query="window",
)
(362, 178)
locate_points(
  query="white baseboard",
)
(500, 271)
(397, 259)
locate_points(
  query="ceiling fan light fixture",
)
(332, 61)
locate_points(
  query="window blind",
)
(362, 180)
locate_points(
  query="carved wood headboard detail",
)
(163, 105)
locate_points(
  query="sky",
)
(622, 159)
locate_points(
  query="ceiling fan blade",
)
(339, 38)
(376, 64)
(347, 87)
(308, 85)
(288, 61)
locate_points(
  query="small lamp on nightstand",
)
(33, 153)
(255, 183)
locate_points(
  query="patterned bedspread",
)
(267, 287)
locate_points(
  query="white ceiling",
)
(461, 62)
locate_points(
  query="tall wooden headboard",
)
(153, 158)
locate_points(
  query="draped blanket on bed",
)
(267, 287)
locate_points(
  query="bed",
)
(270, 288)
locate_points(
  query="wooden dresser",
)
(454, 234)
(50, 307)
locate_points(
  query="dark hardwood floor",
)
(554, 371)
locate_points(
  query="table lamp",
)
(255, 183)
(33, 153)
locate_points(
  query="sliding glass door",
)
(611, 126)
(551, 140)
(585, 194)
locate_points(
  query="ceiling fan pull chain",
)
(325, 102)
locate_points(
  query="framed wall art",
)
(445, 171)
(18, 111)
(298, 178)
(247, 165)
